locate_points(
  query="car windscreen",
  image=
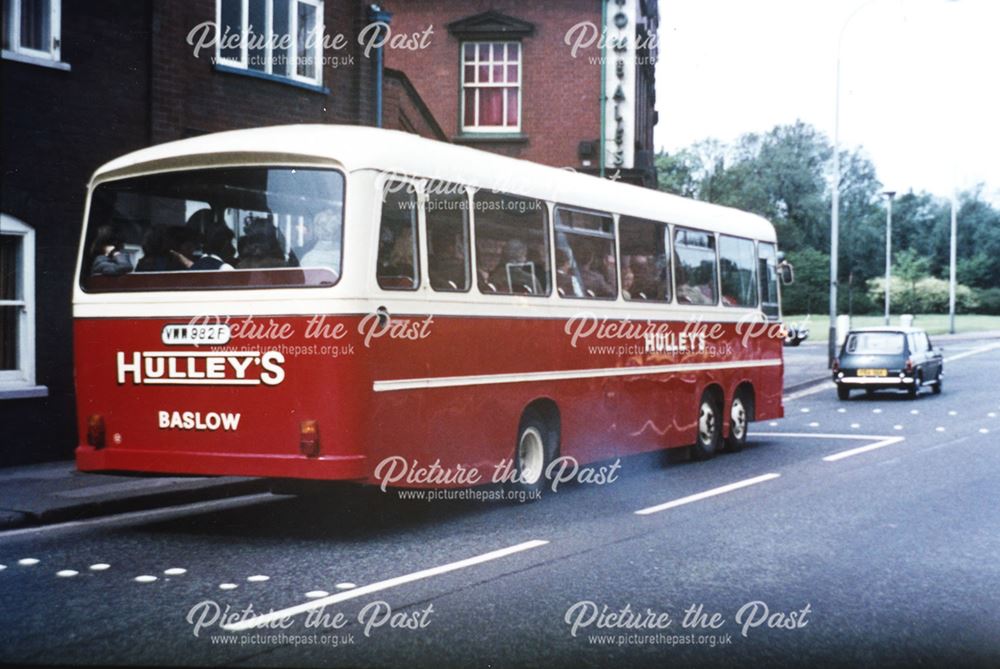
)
(219, 228)
(874, 343)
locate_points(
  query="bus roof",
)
(365, 148)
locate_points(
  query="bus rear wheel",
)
(709, 428)
(534, 450)
(739, 421)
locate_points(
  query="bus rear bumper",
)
(329, 467)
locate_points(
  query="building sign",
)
(619, 82)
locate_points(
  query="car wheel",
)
(843, 393)
(739, 422)
(914, 387)
(709, 429)
(937, 385)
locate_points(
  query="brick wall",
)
(190, 96)
(560, 105)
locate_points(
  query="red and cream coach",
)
(309, 302)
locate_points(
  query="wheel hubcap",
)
(738, 418)
(530, 455)
(706, 424)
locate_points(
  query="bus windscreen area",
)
(220, 228)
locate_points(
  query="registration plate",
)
(873, 372)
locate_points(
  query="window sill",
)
(22, 392)
(36, 60)
(229, 69)
(486, 137)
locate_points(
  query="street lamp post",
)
(889, 194)
(951, 271)
(835, 195)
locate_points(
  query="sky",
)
(919, 81)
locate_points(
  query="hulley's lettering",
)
(235, 368)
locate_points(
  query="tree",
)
(808, 295)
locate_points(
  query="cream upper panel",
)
(361, 148)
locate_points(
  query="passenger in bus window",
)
(326, 251)
(157, 244)
(515, 274)
(259, 247)
(593, 280)
(644, 283)
(108, 256)
(400, 263)
(628, 279)
(448, 263)
(488, 259)
(218, 253)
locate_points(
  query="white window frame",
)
(20, 382)
(13, 50)
(476, 127)
(292, 71)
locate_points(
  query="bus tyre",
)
(709, 429)
(739, 420)
(533, 452)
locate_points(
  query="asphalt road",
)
(863, 533)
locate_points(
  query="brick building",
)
(84, 82)
(525, 79)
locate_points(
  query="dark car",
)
(878, 358)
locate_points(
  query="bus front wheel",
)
(709, 428)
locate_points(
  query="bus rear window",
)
(220, 228)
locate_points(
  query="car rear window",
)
(875, 343)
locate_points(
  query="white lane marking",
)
(804, 409)
(227, 586)
(952, 413)
(100, 566)
(814, 424)
(841, 410)
(773, 423)
(897, 427)
(889, 441)
(975, 351)
(145, 578)
(345, 586)
(258, 578)
(250, 623)
(992, 414)
(939, 429)
(28, 562)
(983, 430)
(174, 571)
(809, 391)
(316, 594)
(855, 425)
(914, 411)
(876, 411)
(66, 573)
(880, 441)
(706, 494)
(2, 567)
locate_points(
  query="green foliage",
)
(927, 294)
(783, 175)
(989, 301)
(809, 293)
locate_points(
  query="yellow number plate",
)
(873, 372)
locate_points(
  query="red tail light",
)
(909, 365)
(309, 438)
(95, 431)
(836, 365)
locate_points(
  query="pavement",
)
(56, 492)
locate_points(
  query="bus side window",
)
(586, 257)
(695, 263)
(767, 271)
(512, 245)
(447, 217)
(398, 265)
(738, 269)
(645, 264)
